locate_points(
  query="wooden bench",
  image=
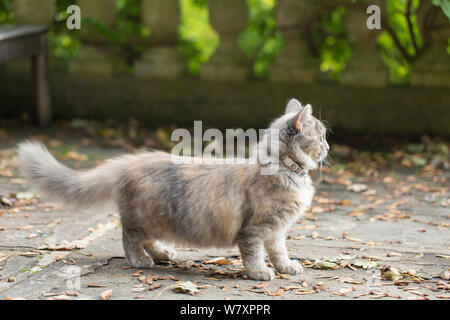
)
(30, 41)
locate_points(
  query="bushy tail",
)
(69, 187)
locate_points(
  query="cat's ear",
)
(302, 117)
(293, 106)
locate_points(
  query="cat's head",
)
(302, 136)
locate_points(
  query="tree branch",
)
(410, 26)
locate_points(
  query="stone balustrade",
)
(97, 55)
(433, 67)
(162, 60)
(34, 12)
(365, 68)
(229, 18)
(295, 64)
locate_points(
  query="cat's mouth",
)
(323, 159)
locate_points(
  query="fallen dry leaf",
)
(4, 256)
(445, 274)
(261, 285)
(60, 297)
(93, 285)
(154, 286)
(65, 293)
(289, 288)
(277, 293)
(186, 287)
(393, 254)
(347, 237)
(301, 292)
(365, 264)
(392, 274)
(106, 295)
(185, 264)
(324, 265)
(349, 280)
(219, 261)
(344, 291)
(357, 187)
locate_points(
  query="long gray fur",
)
(204, 205)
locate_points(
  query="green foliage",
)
(128, 23)
(334, 42)
(198, 40)
(260, 41)
(399, 68)
(6, 15)
(65, 44)
(445, 6)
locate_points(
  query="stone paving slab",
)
(418, 243)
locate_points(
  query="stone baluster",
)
(296, 63)
(433, 67)
(229, 18)
(97, 55)
(365, 67)
(34, 12)
(162, 60)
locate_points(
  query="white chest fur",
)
(305, 193)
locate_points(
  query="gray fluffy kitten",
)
(202, 205)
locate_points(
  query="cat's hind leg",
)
(158, 251)
(134, 250)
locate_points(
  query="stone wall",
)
(158, 91)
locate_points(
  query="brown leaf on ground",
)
(324, 265)
(445, 275)
(393, 254)
(65, 293)
(344, 291)
(219, 261)
(4, 256)
(93, 285)
(392, 274)
(357, 187)
(301, 292)
(60, 297)
(185, 264)
(106, 295)
(349, 280)
(137, 273)
(316, 209)
(347, 237)
(261, 285)
(277, 293)
(289, 288)
(154, 286)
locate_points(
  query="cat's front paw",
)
(144, 262)
(261, 275)
(292, 267)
